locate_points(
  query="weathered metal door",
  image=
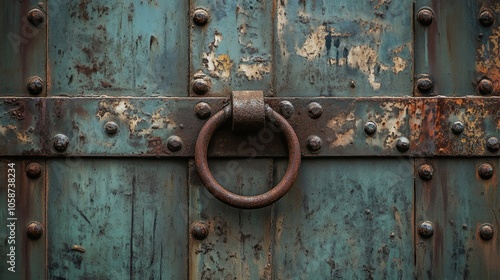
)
(394, 105)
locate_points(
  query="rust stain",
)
(343, 126)
(488, 59)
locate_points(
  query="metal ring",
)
(240, 201)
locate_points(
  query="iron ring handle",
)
(240, 201)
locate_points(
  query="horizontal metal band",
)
(325, 127)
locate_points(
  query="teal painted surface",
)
(30, 205)
(130, 217)
(240, 241)
(337, 220)
(23, 47)
(457, 201)
(119, 48)
(234, 50)
(446, 50)
(321, 46)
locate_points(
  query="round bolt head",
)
(314, 143)
(425, 16)
(199, 230)
(492, 144)
(392, 235)
(457, 128)
(486, 231)
(174, 143)
(485, 87)
(111, 127)
(200, 86)
(485, 171)
(352, 84)
(426, 229)
(35, 85)
(314, 110)
(403, 144)
(202, 110)
(370, 128)
(486, 18)
(200, 17)
(286, 109)
(425, 172)
(425, 85)
(33, 170)
(36, 17)
(34, 230)
(61, 142)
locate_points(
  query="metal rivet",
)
(35, 85)
(34, 230)
(314, 110)
(486, 231)
(352, 84)
(485, 87)
(202, 110)
(200, 17)
(486, 18)
(457, 127)
(111, 127)
(286, 109)
(199, 230)
(36, 17)
(485, 171)
(392, 235)
(426, 229)
(425, 85)
(314, 143)
(403, 144)
(465, 226)
(174, 143)
(425, 172)
(492, 144)
(61, 142)
(33, 170)
(425, 16)
(201, 86)
(370, 128)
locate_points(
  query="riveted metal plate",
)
(145, 124)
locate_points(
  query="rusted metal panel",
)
(118, 48)
(343, 48)
(345, 218)
(116, 219)
(445, 49)
(487, 79)
(458, 199)
(29, 194)
(144, 125)
(23, 47)
(233, 50)
(239, 243)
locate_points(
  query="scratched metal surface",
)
(30, 206)
(129, 216)
(135, 48)
(457, 201)
(23, 47)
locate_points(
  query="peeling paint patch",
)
(314, 46)
(4, 129)
(344, 127)
(254, 71)
(282, 23)
(392, 119)
(399, 64)
(24, 138)
(219, 65)
(364, 58)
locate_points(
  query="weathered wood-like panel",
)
(23, 47)
(116, 219)
(349, 219)
(30, 205)
(233, 51)
(239, 242)
(118, 48)
(457, 201)
(343, 48)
